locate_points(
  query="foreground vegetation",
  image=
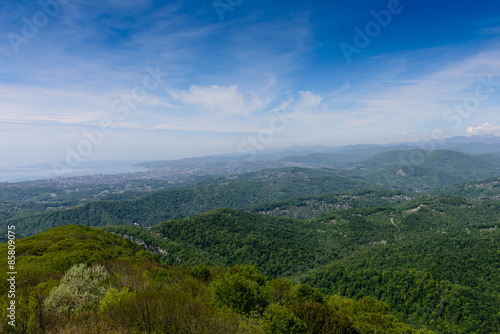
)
(75, 279)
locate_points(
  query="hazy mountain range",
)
(329, 156)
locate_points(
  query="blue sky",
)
(234, 75)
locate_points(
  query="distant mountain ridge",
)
(340, 155)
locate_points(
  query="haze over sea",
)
(45, 171)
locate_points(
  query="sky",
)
(153, 80)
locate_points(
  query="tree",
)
(280, 320)
(80, 286)
(320, 319)
(241, 289)
(303, 293)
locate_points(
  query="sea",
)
(47, 171)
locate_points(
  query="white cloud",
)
(309, 100)
(484, 129)
(406, 133)
(224, 100)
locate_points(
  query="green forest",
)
(381, 246)
(433, 260)
(76, 279)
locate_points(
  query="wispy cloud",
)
(490, 31)
(226, 79)
(426, 98)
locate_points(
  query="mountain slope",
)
(413, 178)
(459, 164)
(277, 246)
(323, 159)
(414, 170)
(75, 279)
(439, 266)
(482, 189)
(434, 260)
(238, 192)
(308, 207)
(420, 170)
(49, 254)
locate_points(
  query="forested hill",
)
(411, 172)
(308, 207)
(434, 260)
(439, 267)
(277, 246)
(421, 170)
(238, 192)
(476, 190)
(74, 279)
